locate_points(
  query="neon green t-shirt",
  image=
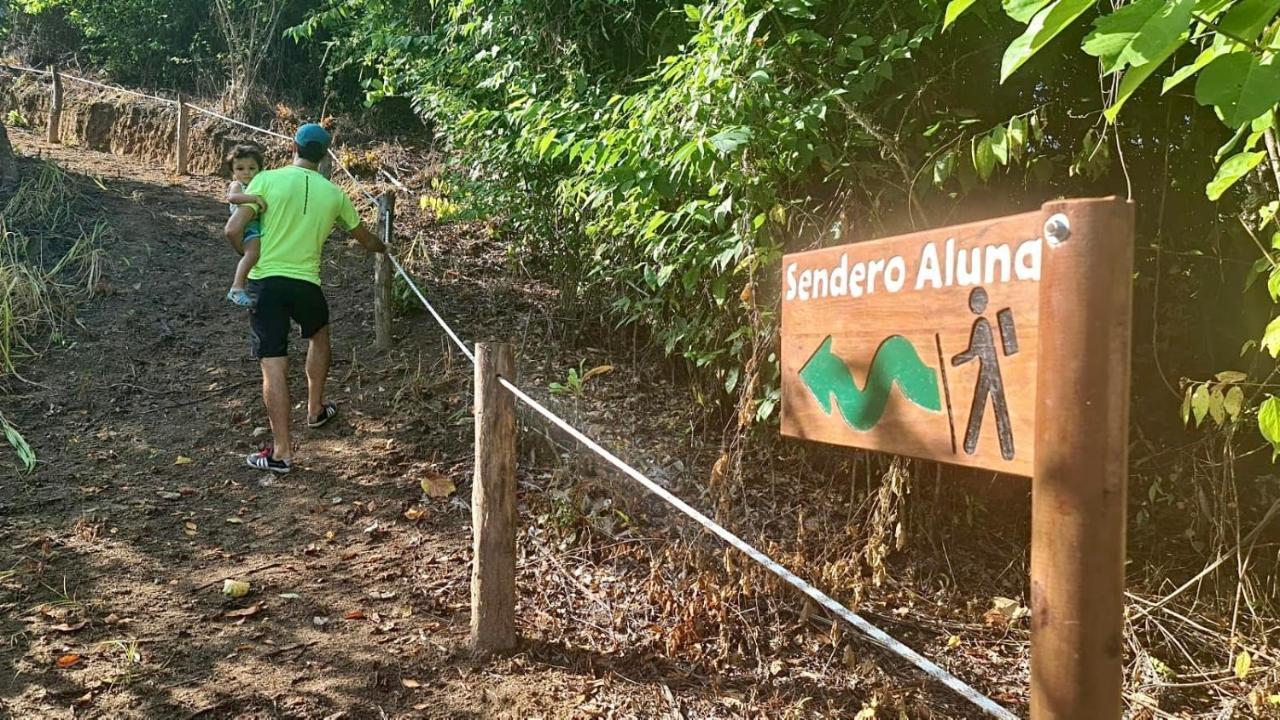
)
(302, 207)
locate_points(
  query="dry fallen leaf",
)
(235, 588)
(438, 486)
(415, 513)
(235, 521)
(64, 627)
(953, 642)
(170, 495)
(67, 661)
(291, 596)
(329, 535)
(410, 683)
(596, 372)
(111, 619)
(190, 529)
(182, 460)
(250, 611)
(354, 615)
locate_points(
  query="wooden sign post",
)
(1001, 345)
(181, 141)
(54, 131)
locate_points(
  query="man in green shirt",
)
(299, 209)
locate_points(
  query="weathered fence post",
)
(382, 273)
(180, 139)
(493, 503)
(1079, 483)
(55, 106)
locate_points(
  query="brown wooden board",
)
(922, 344)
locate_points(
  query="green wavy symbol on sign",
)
(895, 361)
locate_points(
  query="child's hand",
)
(260, 202)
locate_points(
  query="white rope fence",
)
(875, 634)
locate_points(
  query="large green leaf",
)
(1137, 33)
(1235, 167)
(1247, 18)
(1205, 57)
(1239, 86)
(984, 158)
(1023, 10)
(955, 9)
(1000, 144)
(1044, 27)
(1269, 423)
(1138, 74)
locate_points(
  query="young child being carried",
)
(246, 162)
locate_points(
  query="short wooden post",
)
(382, 273)
(55, 107)
(1081, 463)
(493, 504)
(181, 149)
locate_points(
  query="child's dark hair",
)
(246, 151)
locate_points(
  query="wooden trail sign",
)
(920, 345)
(1002, 345)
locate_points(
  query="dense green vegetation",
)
(656, 159)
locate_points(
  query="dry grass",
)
(48, 263)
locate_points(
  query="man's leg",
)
(269, 331)
(275, 395)
(318, 358)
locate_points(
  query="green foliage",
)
(1269, 423)
(149, 42)
(1221, 399)
(26, 456)
(15, 118)
(639, 155)
(572, 384)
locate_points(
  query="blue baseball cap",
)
(312, 133)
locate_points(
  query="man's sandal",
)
(327, 413)
(262, 460)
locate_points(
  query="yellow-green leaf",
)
(1269, 422)
(1243, 663)
(1234, 401)
(1045, 26)
(1216, 409)
(1234, 168)
(955, 9)
(1200, 403)
(1271, 337)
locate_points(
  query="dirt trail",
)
(115, 549)
(121, 548)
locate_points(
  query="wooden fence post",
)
(493, 503)
(1081, 462)
(382, 273)
(55, 107)
(181, 149)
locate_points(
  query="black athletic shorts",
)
(277, 301)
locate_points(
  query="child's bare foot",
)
(239, 296)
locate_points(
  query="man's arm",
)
(367, 239)
(234, 231)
